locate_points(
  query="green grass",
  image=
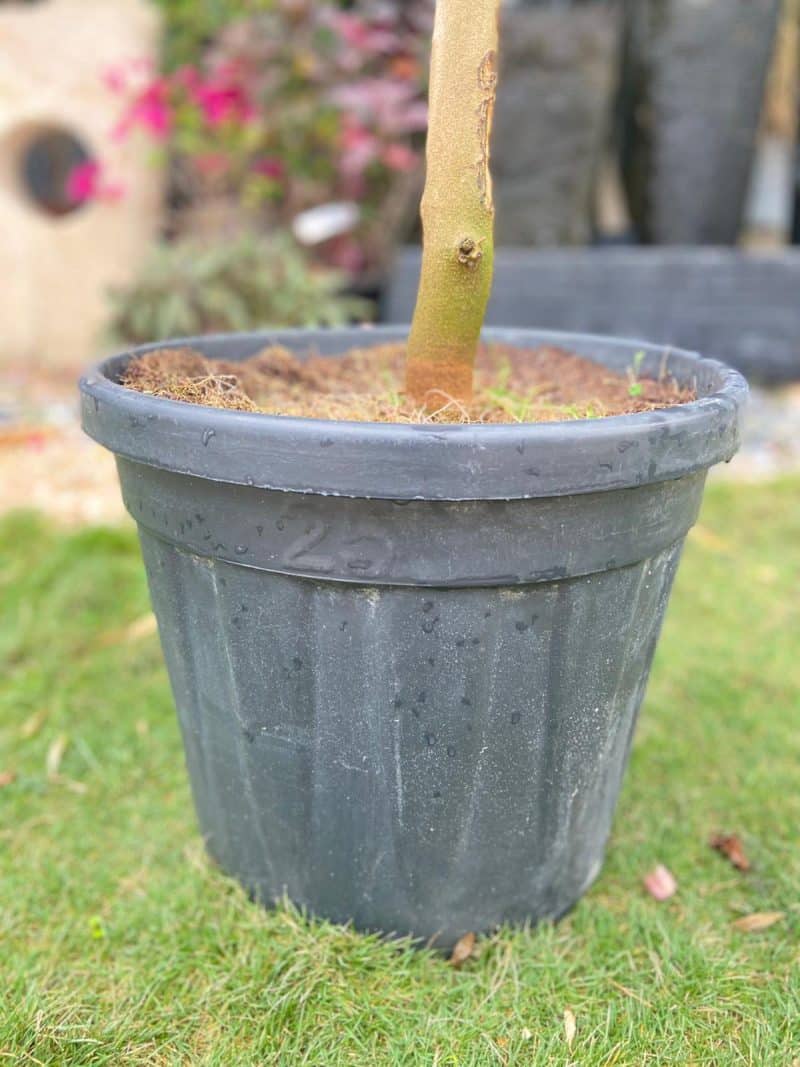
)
(121, 945)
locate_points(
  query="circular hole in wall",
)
(48, 161)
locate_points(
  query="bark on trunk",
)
(457, 207)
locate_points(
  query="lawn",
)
(122, 945)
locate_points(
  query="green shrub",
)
(191, 25)
(245, 283)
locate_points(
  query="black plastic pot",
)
(408, 660)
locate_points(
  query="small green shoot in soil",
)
(635, 387)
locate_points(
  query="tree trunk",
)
(457, 206)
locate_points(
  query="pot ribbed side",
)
(414, 760)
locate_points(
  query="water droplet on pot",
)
(242, 550)
(207, 435)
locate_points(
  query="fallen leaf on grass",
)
(660, 883)
(463, 949)
(7, 778)
(135, 631)
(55, 754)
(629, 993)
(570, 1027)
(79, 788)
(730, 845)
(32, 725)
(759, 920)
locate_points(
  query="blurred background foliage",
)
(189, 287)
(284, 118)
(618, 121)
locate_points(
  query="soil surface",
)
(511, 385)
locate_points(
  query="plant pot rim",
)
(421, 461)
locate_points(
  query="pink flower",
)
(150, 110)
(83, 181)
(388, 103)
(360, 147)
(359, 34)
(86, 182)
(399, 157)
(269, 167)
(660, 883)
(222, 99)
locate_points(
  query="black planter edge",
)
(423, 462)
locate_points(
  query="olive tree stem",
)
(457, 208)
